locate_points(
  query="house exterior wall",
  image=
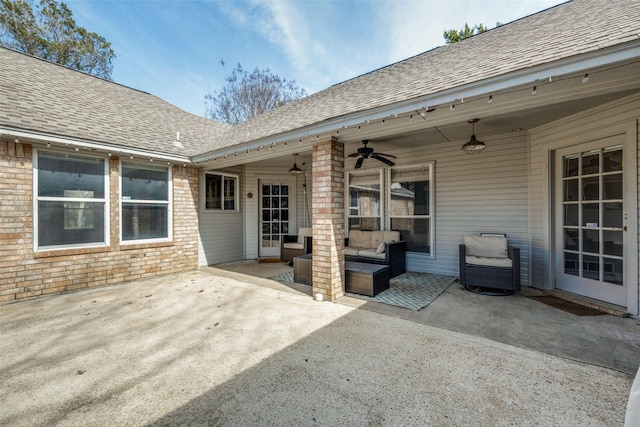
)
(253, 173)
(479, 193)
(221, 234)
(613, 117)
(25, 273)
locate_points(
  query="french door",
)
(591, 220)
(274, 216)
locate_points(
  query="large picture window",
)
(364, 200)
(410, 207)
(220, 192)
(145, 202)
(70, 205)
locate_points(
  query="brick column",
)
(327, 209)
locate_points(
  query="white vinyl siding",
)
(478, 193)
(473, 194)
(221, 237)
(273, 171)
(600, 121)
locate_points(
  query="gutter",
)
(493, 85)
(29, 136)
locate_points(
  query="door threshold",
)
(606, 307)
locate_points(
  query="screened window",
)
(220, 192)
(364, 200)
(145, 202)
(70, 206)
(410, 207)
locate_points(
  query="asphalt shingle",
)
(39, 96)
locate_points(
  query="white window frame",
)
(222, 175)
(431, 217)
(168, 202)
(382, 199)
(37, 199)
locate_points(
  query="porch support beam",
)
(328, 220)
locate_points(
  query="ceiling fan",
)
(366, 152)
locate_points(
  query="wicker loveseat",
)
(295, 245)
(489, 262)
(377, 247)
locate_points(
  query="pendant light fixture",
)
(295, 169)
(473, 146)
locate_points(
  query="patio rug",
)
(410, 290)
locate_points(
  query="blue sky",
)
(173, 49)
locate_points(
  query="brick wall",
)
(25, 273)
(328, 220)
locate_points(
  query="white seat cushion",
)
(370, 253)
(304, 232)
(489, 262)
(293, 245)
(350, 250)
(488, 247)
(360, 239)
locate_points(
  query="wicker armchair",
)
(488, 262)
(295, 245)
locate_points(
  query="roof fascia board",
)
(579, 63)
(60, 140)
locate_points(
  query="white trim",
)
(629, 128)
(382, 181)
(431, 217)
(37, 199)
(271, 179)
(30, 136)
(494, 85)
(168, 203)
(631, 202)
(203, 195)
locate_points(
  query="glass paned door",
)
(590, 221)
(274, 217)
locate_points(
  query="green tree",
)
(48, 30)
(453, 36)
(247, 95)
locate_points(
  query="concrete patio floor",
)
(215, 348)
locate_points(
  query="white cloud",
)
(418, 26)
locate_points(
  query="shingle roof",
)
(569, 29)
(39, 96)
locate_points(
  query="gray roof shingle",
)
(567, 30)
(39, 96)
(36, 95)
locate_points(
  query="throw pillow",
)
(380, 249)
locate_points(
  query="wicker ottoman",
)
(366, 279)
(302, 269)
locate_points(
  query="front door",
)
(274, 216)
(591, 220)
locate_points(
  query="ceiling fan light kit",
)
(473, 146)
(367, 152)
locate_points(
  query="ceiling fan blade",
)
(383, 160)
(387, 155)
(359, 162)
(353, 155)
